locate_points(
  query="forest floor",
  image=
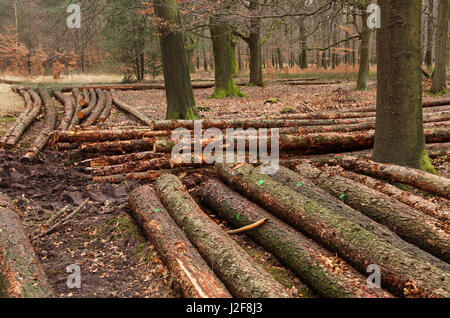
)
(114, 256)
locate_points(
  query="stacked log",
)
(68, 110)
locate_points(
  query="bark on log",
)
(130, 110)
(239, 272)
(49, 125)
(107, 110)
(133, 166)
(105, 135)
(417, 202)
(28, 108)
(148, 176)
(401, 273)
(79, 103)
(22, 125)
(21, 274)
(121, 146)
(86, 96)
(68, 110)
(135, 87)
(104, 161)
(327, 274)
(420, 179)
(410, 224)
(303, 186)
(98, 109)
(331, 115)
(85, 112)
(310, 83)
(196, 278)
(425, 104)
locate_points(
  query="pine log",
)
(120, 146)
(86, 96)
(436, 102)
(130, 110)
(21, 274)
(79, 103)
(22, 124)
(68, 110)
(401, 273)
(85, 112)
(148, 176)
(28, 108)
(410, 224)
(105, 135)
(104, 161)
(133, 166)
(330, 115)
(327, 274)
(195, 277)
(98, 109)
(135, 87)
(239, 272)
(49, 125)
(420, 179)
(307, 188)
(311, 83)
(107, 110)
(417, 202)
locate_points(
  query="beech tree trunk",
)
(21, 274)
(401, 273)
(195, 277)
(180, 98)
(254, 45)
(239, 272)
(399, 136)
(439, 75)
(304, 257)
(364, 53)
(429, 51)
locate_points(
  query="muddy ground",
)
(114, 256)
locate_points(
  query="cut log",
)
(104, 161)
(98, 109)
(196, 278)
(22, 125)
(410, 224)
(305, 187)
(417, 178)
(28, 108)
(105, 135)
(107, 110)
(231, 263)
(21, 274)
(121, 146)
(331, 115)
(406, 197)
(130, 110)
(86, 96)
(79, 103)
(436, 102)
(68, 110)
(148, 176)
(49, 125)
(311, 83)
(85, 112)
(401, 273)
(134, 87)
(327, 274)
(133, 166)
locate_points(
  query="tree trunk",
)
(223, 58)
(241, 274)
(439, 75)
(21, 274)
(292, 248)
(364, 54)
(410, 224)
(303, 50)
(180, 98)
(130, 110)
(401, 273)
(104, 161)
(68, 110)
(399, 136)
(49, 125)
(195, 277)
(422, 180)
(429, 51)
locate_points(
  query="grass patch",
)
(121, 226)
(7, 120)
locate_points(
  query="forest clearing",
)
(325, 176)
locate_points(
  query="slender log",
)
(329, 275)
(86, 96)
(49, 125)
(239, 272)
(410, 224)
(133, 166)
(130, 110)
(107, 110)
(68, 110)
(79, 103)
(85, 112)
(121, 146)
(417, 202)
(105, 135)
(401, 273)
(195, 277)
(311, 83)
(28, 108)
(331, 115)
(98, 109)
(21, 274)
(425, 104)
(420, 179)
(22, 125)
(104, 161)
(148, 176)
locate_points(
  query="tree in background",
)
(439, 75)
(399, 135)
